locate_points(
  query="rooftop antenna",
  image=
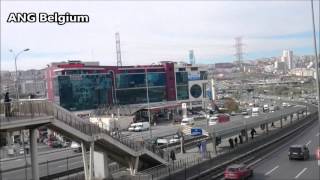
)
(239, 53)
(119, 61)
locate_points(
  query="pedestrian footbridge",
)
(102, 144)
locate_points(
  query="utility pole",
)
(239, 51)
(317, 60)
(118, 49)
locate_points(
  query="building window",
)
(182, 92)
(130, 80)
(132, 96)
(182, 69)
(203, 75)
(181, 78)
(157, 94)
(156, 79)
(195, 91)
(194, 68)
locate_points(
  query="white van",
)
(187, 121)
(142, 126)
(255, 111)
(132, 126)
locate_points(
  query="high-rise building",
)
(287, 56)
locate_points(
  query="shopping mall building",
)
(78, 85)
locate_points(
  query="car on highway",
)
(56, 144)
(174, 139)
(187, 121)
(298, 152)
(318, 154)
(244, 112)
(238, 171)
(142, 126)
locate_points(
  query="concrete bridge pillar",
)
(281, 122)
(101, 165)
(34, 154)
(133, 165)
(214, 143)
(9, 139)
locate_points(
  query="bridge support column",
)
(101, 165)
(133, 165)
(214, 143)
(91, 172)
(85, 161)
(281, 123)
(9, 139)
(34, 154)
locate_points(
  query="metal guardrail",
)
(167, 170)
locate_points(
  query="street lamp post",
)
(316, 60)
(148, 101)
(17, 76)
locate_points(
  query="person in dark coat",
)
(231, 142)
(7, 105)
(253, 131)
(240, 139)
(172, 155)
(236, 141)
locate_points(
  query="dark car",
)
(299, 152)
(238, 171)
(56, 144)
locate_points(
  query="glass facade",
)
(79, 92)
(130, 80)
(157, 94)
(181, 78)
(131, 88)
(203, 75)
(156, 79)
(182, 92)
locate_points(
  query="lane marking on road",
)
(299, 174)
(273, 169)
(254, 162)
(308, 142)
(317, 134)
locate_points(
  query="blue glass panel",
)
(156, 79)
(130, 80)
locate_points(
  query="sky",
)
(157, 31)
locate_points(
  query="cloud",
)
(154, 31)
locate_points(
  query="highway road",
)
(278, 165)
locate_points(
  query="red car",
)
(238, 171)
(318, 154)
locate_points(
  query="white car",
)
(212, 120)
(174, 139)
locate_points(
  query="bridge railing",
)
(16, 110)
(90, 128)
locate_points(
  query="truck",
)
(265, 107)
(255, 111)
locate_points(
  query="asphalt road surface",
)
(278, 165)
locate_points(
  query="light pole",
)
(17, 76)
(316, 60)
(148, 101)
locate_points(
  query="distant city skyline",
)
(157, 31)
